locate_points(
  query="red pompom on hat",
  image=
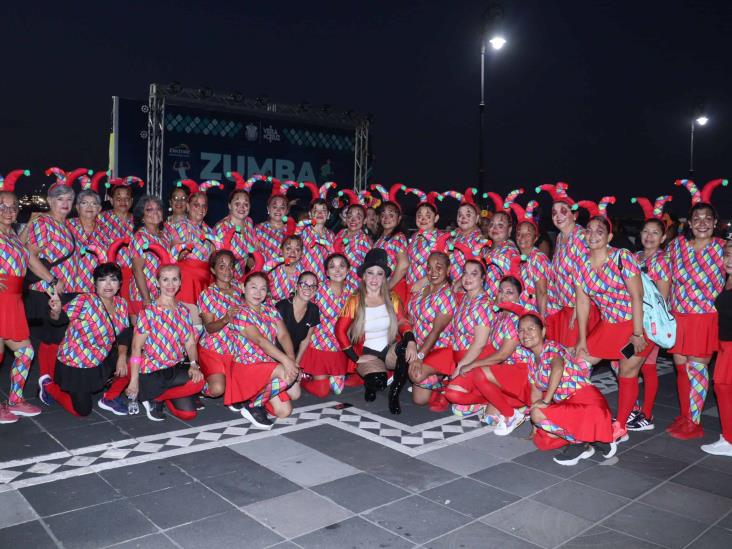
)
(652, 211)
(7, 183)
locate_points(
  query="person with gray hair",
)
(87, 231)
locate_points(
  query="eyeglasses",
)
(87, 203)
(12, 209)
(179, 199)
(305, 286)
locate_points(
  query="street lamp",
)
(492, 19)
(700, 119)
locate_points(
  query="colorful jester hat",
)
(352, 198)
(705, 195)
(241, 184)
(128, 181)
(517, 309)
(526, 215)
(652, 211)
(92, 183)
(558, 192)
(64, 178)
(110, 254)
(425, 198)
(442, 243)
(467, 198)
(195, 188)
(390, 196)
(595, 209)
(319, 193)
(7, 183)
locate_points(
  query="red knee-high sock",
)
(62, 397)
(189, 389)
(180, 414)
(115, 389)
(627, 395)
(317, 387)
(47, 358)
(491, 392)
(684, 389)
(459, 397)
(544, 441)
(723, 391)
(650, 388)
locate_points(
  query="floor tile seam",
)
(560, 480)
(473, 521)
(374, 523)
(501, 528)
(583, 532)
(581, 485)
(713, 525)
(159, 532)
(194, 521)
(50, 533)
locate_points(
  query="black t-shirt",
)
(298, 330)
(723, 303)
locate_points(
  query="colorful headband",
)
(94, 182)
(280, 188)
(63, 178)
(246, 185)
(527, 215)
(109, 256)
(365, 197)
(353, 199)
(654, 211)
(558, 192)
(124, 182)
(425, 198)
(703, 196)
(195, 188)
(514, 269)
(595, 209)
(319, 193)
(7, 183)
(467, 252)
(501, 205)
(390, 196)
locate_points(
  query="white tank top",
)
(376, 328)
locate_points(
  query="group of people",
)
(137, 308)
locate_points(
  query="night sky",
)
(598, 94)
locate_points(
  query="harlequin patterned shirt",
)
(355, 247)
(201, 236)
(504, 326)
(316, 247)
(423, 309)
(606, 286)
(269, 239)
(418, 251)
(392, 246)
(535, 268)
(475, 242)
(655, 266)
(330, 306)
(282, 284)
(698, 276)
(54, 240)
(91, 331)
(469, 313)
(240, 243)
(498, 264)
(266, 320)
(13, 255)
(152, 263)
(215, 302)
(86, 262)
(576, 373)
(567, 251)
(167, 331)
(115, 228)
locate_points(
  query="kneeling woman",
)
(263, 377)
(163, 337)
(93, 349)
(567, 409)
(374, 332)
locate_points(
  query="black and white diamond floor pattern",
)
(408, 439)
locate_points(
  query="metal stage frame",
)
(237, 103)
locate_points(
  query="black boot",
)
(401, 375)
(373, 383)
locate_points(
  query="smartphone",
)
(628, 351)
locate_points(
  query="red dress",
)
(194, 269)
(215, 350)
(324, 356)
(116, 228)
(423, 310)
(13, 265)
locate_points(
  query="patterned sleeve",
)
(204, 302)
(629, 264)
(483, 315)
(660, 269)
(511, 328)
(445, 303)
(138, 245)
(143, 321)
(36, 235)
(76, 308)
(542, 266)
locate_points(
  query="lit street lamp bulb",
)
(497, 42)
(702, 120)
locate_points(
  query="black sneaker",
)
(154, 410)
(607, 450)
(236, 407)
(640, 423)
(632, 415)
(198, 402)
(257, 417)
(573, 453)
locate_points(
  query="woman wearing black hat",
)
(374, 332)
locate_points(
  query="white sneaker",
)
(507, 427)
(719, 448)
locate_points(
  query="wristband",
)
(545, 402)
(637, 335)
(408, 337)
(136, 360)
(350, 353)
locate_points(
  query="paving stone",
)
(297, 513)
(680, 450)
(354, 533)
(267, 450)
(311, 468)
(714, 538)
(615, 480)
(544, 461)
(411, 474)
(538, 523)
(55, 419)
(417, 519)
(726, 522)
(90, 435)
(144, 478)
(14, 509)
(154, 541)
(140, 426)
(689, 502)
(211, 463)
(648, 464)
(705, 479)
(249, 485)
(470, 497)
(460, 459)
(516, 479)
(581, 500)
(29, 534)
(180, 504)
(230, 529)
(27, 445)
(104, 524)
(718, 463)
(502, 447)
(603, 538)
(655, 525)
(360, 492)
(68, 494)
(478, 534)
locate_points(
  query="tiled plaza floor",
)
(335, 477)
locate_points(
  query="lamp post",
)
(491, 23)
(700, 119)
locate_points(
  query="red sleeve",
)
(341, 331)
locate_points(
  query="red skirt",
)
(323, 363)
(195, 277)
(245, 381)
(440, 360)
(585, 415)
(402, 291)
(514, 382)
(136, 307)
(608, 338)
(213, 362)
(13, 323)
(696, 334)
(458, 354)
(723, 365)
(557, 325)
(124, 290)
